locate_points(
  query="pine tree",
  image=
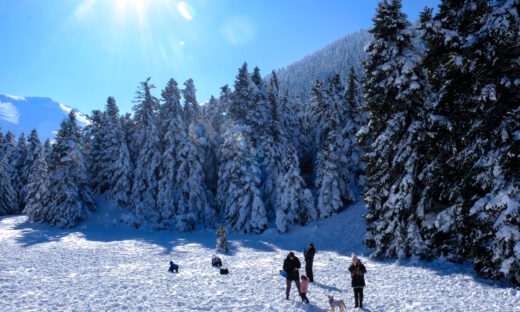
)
(393, 89)
(148, 160)
(453, 62)
(17, 163)
(47, 148)
(324, 120)
(37, 187)
(495, 145)
(115, 156)
(191, 106)
(8, 203)
(94, 157)
(193, 154)
(70, 198)
(174, 130)
(238, 190)
(354, 118)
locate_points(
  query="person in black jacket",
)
(291, 265)
(357, 273)
(309, 258)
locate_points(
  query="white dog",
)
(336, 303)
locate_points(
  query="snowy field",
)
(105, 267)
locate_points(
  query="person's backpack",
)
(224, 271)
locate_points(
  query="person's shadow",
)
(329, 288)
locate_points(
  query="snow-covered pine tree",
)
(192, 153)
(47, 148)
(336, 95)
(115, 156)
(17, 163)
(1, 144)
(393, 91)
(238, 191)
(148, 160)
(354, 118)
(174, 132)
(94, 156)
(70, 197)
(324, 122)
(9, 144)
(37, 187)
(222, 244)
(456, 138)
(8, 203)
(213, 120)
(191, 106)
(495, 216)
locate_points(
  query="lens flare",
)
(186, 10)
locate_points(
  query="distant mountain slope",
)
(336, 57)
(22, 114)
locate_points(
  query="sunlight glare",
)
(186, 10)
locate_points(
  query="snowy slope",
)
(22, 114)
(106, 265)
(336, 58)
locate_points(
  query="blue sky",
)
(79, 52)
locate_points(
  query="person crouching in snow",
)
(215, 261)
(357, 273)
(173, 267)
(304, 285)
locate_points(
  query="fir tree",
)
(393, 89)
(94, 157)
(8, 203)
(191, 106)
(18, 165)
(174, 130)
(148, 160)
(70, 197)
(37, 187)
(115, 156)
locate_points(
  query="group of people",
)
(291, 266)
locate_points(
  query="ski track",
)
(105, 267)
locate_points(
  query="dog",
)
(336, 304)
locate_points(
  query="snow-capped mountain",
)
(22, 114)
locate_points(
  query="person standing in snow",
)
(309, 258)
(291, 265)
(357, 274)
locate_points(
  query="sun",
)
(137, 7)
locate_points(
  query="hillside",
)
(335, 58)
(22, 114)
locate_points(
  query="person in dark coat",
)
(309, 258)
(173, 267)
(291, 265)
(357, 273)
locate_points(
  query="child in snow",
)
(215, 261)
(173, 267)
(304, 284)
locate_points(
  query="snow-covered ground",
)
(102, 266)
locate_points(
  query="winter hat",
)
(354, 256)
(291, 254)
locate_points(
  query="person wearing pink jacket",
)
(304, 285)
